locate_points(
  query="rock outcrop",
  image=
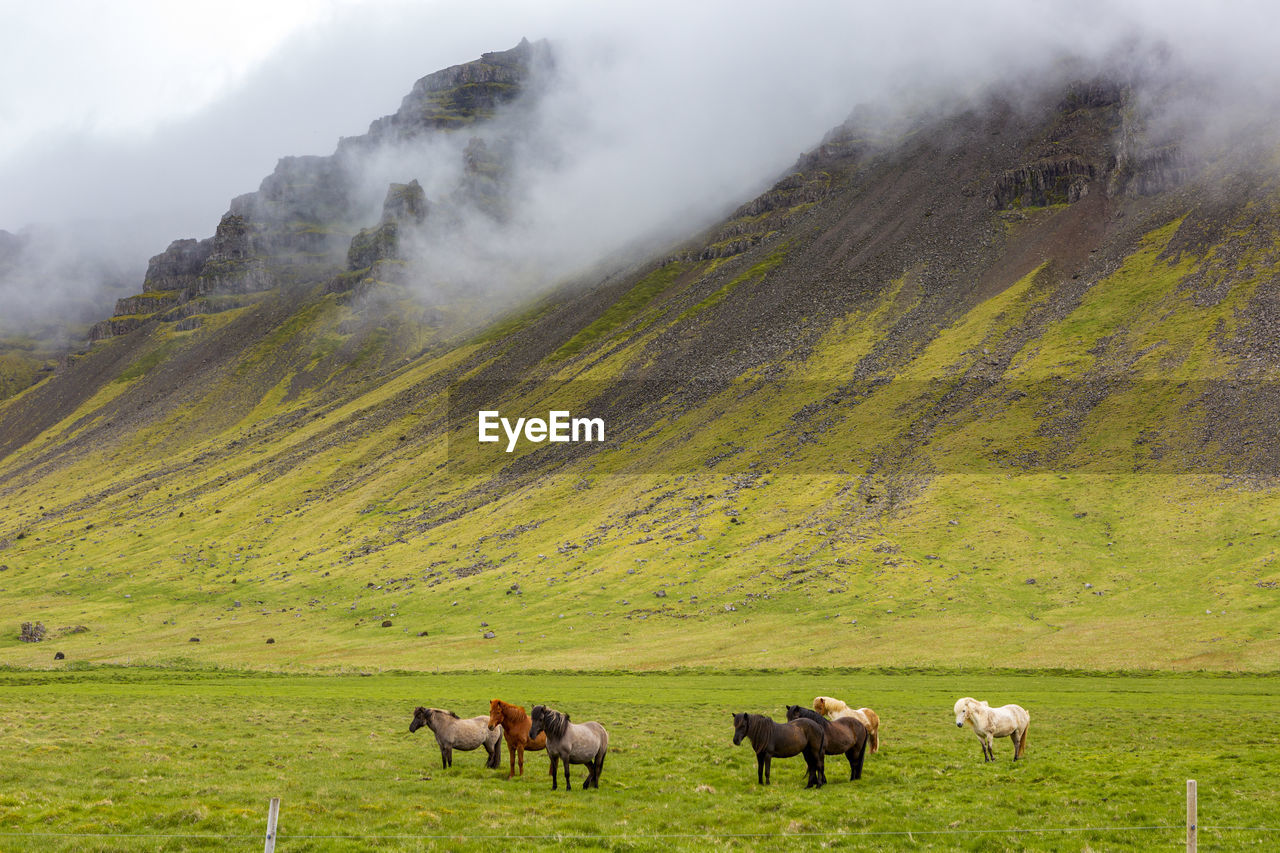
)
(1053, 180)
(405, 205)
(303, 222)
(236, 265)
(177, 267)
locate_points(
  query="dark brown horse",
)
(845, 735)
(515, 728)
(783, 740)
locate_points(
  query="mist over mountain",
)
(657, 121)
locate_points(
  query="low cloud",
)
(663, 115)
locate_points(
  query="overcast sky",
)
(152, 115)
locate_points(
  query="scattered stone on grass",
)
(32, 632)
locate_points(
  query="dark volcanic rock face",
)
(177, 267)
(1061, 180)
(304, 220)
(405, 205)
(235, 265)
(460, 95)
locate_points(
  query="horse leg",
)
(518, 750)
(511, 754)
(991, 747)
(1014, 737)
(555, 768)
(567, 786)
(444, 756)
(595, 779)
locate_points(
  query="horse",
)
(844, 735)
(576, 743)
(783, 740)
(515, 728)
(454, 733)
(836, 709)
(989, 723)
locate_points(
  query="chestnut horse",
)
(515, 728)
(846, 736)
(783, 740)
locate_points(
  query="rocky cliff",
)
(303, 222)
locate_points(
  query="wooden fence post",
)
(272, 815)
(1191, 816)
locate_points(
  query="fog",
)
(662, 116)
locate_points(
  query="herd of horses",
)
(831, 727)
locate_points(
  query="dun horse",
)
(835, 709)
(989, 723)
(783, 740)
(845, 736)
(454, 733)
(515, 728)
(575, 743)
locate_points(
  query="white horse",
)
(835, 709)
(989, 723)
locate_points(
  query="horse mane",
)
(759, 728)
(514, 712)
(554, 722)
(804, 713)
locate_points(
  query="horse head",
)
(793, 711)
(421, 717)
(537, 715)
(739, 728)
(963, 708)
(495, 713)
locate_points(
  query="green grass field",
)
(165, 759)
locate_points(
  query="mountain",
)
(989, 386)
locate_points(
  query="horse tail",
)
(1022, 741)
(875, 739)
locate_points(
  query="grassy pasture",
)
(169, 759)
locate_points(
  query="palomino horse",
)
(989, 723)
(783, 740)
(845, 736)
(835, 709)
(454, 733)
(515, 728)
(576, 743)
